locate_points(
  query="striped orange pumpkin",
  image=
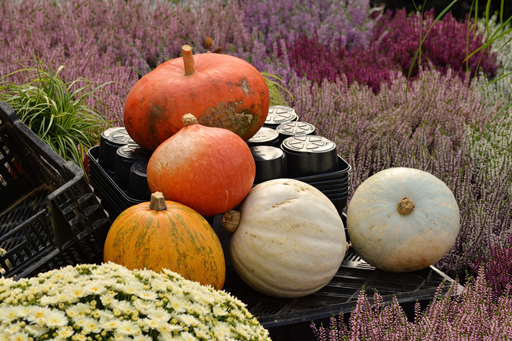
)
(165, 234)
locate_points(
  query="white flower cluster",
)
(491, 149)
(110, 302)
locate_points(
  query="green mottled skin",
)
(178, 239)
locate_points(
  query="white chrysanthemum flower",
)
(95, 288)
(130, 288)
(199, 309)
(142, 338)
(49, 300)
(152, 324)
(8, 313)
(204, 298)
(179, 306)
(164, 327)
(19, 336)
(188, 320)
(65, 332)
(127, 328)
(90, 324)
(243, 331)
(76, 292)
(158, 285)
(78, 310)
(218, 311)
(123, 306)
(55, 319)
(167, 337)
(147, 295)
(143, 306)
(159, 314)
(66, 297)
(221, 330)
(80, 337)
(35, 330)
(146, 274)
(186, 336)
(105, 315)
(106, 300)
(111, 324)
(202, 334)
(36, 314)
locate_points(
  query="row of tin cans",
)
(125, 162)
(283, 148)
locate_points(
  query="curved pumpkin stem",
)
(230, 220)
(189, 119)
(188, 60)
(157, 202)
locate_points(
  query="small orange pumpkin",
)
(164, 234)
(210, 170)
(220, 90)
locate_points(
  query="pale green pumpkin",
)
(402, 219)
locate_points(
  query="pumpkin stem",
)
(230, 220)
(188, 60)
(406, 206)
(157, 202)
(189, 119)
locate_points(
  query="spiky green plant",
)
(59, 112)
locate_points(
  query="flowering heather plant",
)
(428, 131)
(346, 23)
(497, 268)
(468, 315)
(110, 302)
(393, 44)
(116, 41)
(492, 147)
(446, 45)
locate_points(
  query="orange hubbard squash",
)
(208, 169)
(164, 234)
(220, 90)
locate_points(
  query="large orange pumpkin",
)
(220, 90)
(209, 169)
(164, 234)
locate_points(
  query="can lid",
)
(307, 144)
(139, 167)
(118, 136)
(265, 134)
(278, 114)
(296, 128)
(266, 153)
(106, 133)
(133, 151)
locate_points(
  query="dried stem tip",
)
(406, 206)
(188, 60)
(188, 119)
(231, 220)
(157, 202)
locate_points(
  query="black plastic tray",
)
(290, 319)
(45, 202)
(114, 199)
(330, 183)
(342, 173)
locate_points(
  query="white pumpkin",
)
(290, 240)
(402, 219)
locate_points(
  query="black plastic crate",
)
(45, 202)
(290, 319)
(113, 198)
